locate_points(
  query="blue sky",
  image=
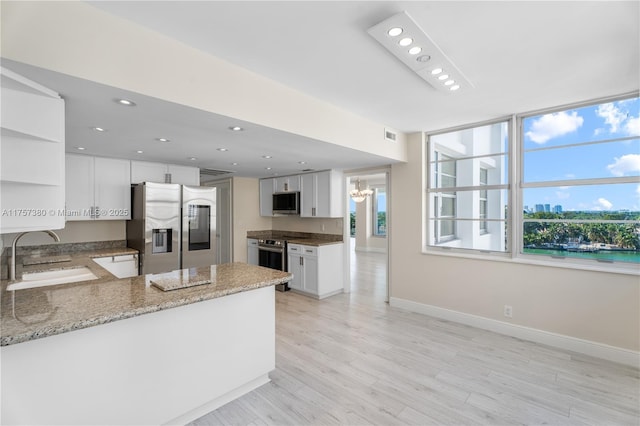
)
(594, 123)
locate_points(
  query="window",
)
(577, 188)
(468, 188)
(580, 182)
(379, 212)
(444, 203)
(484, 173)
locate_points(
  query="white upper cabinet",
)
(32, 167)
(184, 175)
(287, 184)
(267, 188)
(321, 194)
(98, 188)
(145, 171)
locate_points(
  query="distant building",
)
(539, 208)
(547, 208)
(557, 208)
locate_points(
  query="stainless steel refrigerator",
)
(172, 226)
(198, 226)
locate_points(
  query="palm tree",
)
(627, 237)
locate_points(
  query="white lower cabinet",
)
(252, 251)
(317, 270)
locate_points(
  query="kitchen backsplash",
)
(54, 250)
(308, 224)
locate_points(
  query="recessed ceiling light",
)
(80, 148)
(163, 140)
(423, 58)
(236, 128)
(222, 149)
(234, 164)
(443, 77)
(456, 87)
(266, 156)
(126, 102)
(267, 168)
(99, 129)
(436, 71)
(139, 151)
(449, 82)
(302, 162)
(405, 41)
(192, 158)
(415, 50)
(394, 32)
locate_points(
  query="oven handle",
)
(272, 250)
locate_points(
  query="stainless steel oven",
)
(272, 253)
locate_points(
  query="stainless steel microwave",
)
(286, 203)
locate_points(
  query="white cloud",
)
(627, 164)
(612, 115)
(561, 195)
(617, 117)
(603, 203)
(632, 126)
(552, 125)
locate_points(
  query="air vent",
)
(390, 135)
(213, 172)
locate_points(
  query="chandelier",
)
(358, 195)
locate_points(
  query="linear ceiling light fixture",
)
(404, 38)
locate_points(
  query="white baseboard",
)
(587, 347)
(219, 402)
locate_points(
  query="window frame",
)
(439, 198)
(515, 217)
(429, 190)
(374, 212)
(624, 267)
(483, 209)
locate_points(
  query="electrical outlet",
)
(508, 311)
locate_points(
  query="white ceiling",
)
(520, 56)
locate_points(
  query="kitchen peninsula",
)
(123, 351)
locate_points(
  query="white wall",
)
(75, 232)
(246, 214)
(78, 39)
(594, 306)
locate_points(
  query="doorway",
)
(367, 231)
(224, 237)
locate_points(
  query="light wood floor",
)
(351, 359)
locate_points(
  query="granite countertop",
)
(305, 238)
(30, 314)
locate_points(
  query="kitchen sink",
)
(53, 277)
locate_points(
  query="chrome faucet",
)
(12, 271)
